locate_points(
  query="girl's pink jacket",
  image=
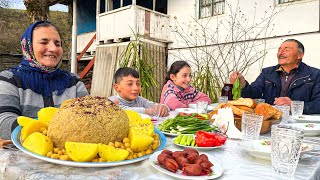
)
(174, 98)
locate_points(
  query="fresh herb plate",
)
(217, 168)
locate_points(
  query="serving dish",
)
(307, 118)
(15, 137)
(217, 168)
(310, 129)
(259, 148)
(209, 108)
(186, 110)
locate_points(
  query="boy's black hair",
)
(124, 72)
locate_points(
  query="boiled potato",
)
(46, 114)
(33, 126)
(24, 121)
(81, 152)
(38, 143)
(139, 140)
(111, 154)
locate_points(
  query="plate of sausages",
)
(186, 164)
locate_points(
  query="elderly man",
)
(290, 80)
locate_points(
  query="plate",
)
(169, 134)
(307, 118)
(217, 168)
(196, 147)
(310, 129)
(256, 149)
(144, 116)
(15, 137)
(186, 110)
(209, 108)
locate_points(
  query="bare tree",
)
(234, 44)
(4, 4)
(39, 9)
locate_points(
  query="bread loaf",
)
(243, 102)
(267, 111)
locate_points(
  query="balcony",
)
(129, 20)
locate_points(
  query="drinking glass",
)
(297, 108)
(258, 101)
(285, 148)
(286, 113)
(223, 99)
(155, 112)
(250, 126)
(202, 107)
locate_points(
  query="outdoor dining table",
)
(237, 164)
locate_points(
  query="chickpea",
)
(102, 160)
(42, 129)
(154, 146)
(148, 151)
(117, 144)
(49, 154)
(155, 136)
(156, 142)
(122, 146)
(111, 144)
(55, 156)
(44, 132)
(64, 157)
(129, 157)
(139, 154)
(95, 160)
(64, 151)
(55, 150)
(135, 155)
(60, 152)
(127, 145)
(126, 140)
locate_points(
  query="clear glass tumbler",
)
(155, 112)
(286, 113)
(250, 126)
(202, 107)
(297, 108)
(285, 148)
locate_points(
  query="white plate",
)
(307, 118)
(310, 129)
(209, 108)
(15, 136)
(169, 134)
(144, 116)
(217, 168)
(186, 110)
(196, 147)
(256, 149)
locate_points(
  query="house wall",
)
(299, 20)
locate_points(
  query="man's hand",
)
(236, 75)
(280, 101)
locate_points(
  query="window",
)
(211, 8)
(286, 1)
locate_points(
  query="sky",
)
(18, 4)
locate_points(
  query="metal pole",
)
(74, 38)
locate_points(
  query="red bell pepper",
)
(207, 139)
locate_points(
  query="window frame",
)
(213, 5)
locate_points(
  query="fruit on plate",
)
(111, 154)
(46, 114)
(24, 121)
(139, 140)
(82, 152)
(31, 127)
(38, 143)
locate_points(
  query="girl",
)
(177, 92)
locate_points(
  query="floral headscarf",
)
(39, 78)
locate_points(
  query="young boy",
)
(127, 85)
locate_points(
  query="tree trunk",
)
(37, 9)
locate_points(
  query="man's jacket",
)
(305, 87)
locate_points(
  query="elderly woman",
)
(38, 81)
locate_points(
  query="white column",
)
(74, 38)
